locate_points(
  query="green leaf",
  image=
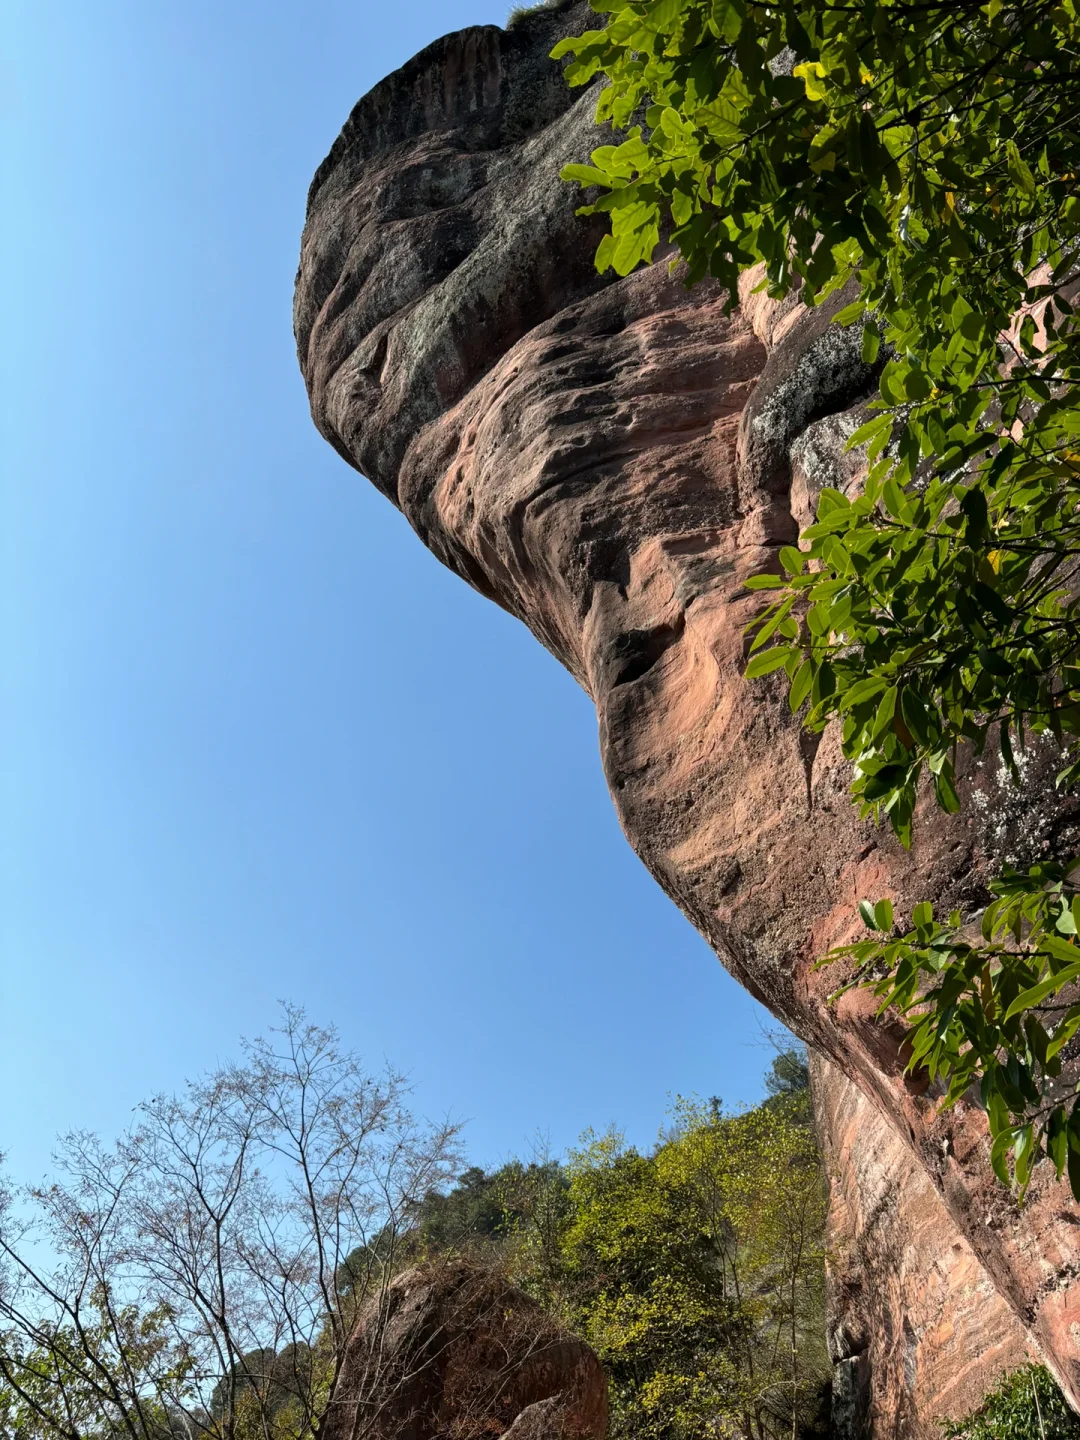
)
(1018, 169)
(1036, 994)
(945, 791)
(767, 661)
(850, 313)
(1057, 1140)
(1024, 1154)
(772, 623)
(1065, 924)
(883, 720)
(888, 386)
(916, 718)
(812, 74)
(800, 686)
(1064, 1031)
(584, 175)
(871, 430)
(916, 384)
(764, 582)
(895, 500)
(1059, 949)
(998, 1152)
(869, 917)
(974, 507)
(862, 691)
(883, 915)
(727, 16)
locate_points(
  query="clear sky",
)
(257, 743)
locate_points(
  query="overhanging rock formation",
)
(608, 460)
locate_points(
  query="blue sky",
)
(257, 743)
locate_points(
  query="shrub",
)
(1027, 1405)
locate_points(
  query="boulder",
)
(450, 1351)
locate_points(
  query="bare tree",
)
(186, 1282)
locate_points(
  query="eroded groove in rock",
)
(609, 461)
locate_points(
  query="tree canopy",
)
(186, 1280)
(695, 1270)
(203, 1274)
(1024, 1405)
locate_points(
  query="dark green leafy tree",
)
(1026, 1405)
(922, 157)
(789, 1074)
(474, 1216)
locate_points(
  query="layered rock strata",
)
(917, 1330)
(609, 460)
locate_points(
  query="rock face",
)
(450, 1352)
(608, 460)
(917, 1330)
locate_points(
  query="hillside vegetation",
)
(201, 1277)
(696, 1270)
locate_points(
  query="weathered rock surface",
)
(451, 1352)
(608, 460)
(917, 1329)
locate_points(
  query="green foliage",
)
(898, 132)
(925, 616)
(476, 1214)
(789, 1073)
(1027, 1405)
(697, 1273)
(473, 1208)
(924, 155)
(998, 1007)
(697, 1270)
(76, 1381)
(483, 1206)
(521, 12)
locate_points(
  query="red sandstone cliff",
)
(608, 460)
(917, 1330)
